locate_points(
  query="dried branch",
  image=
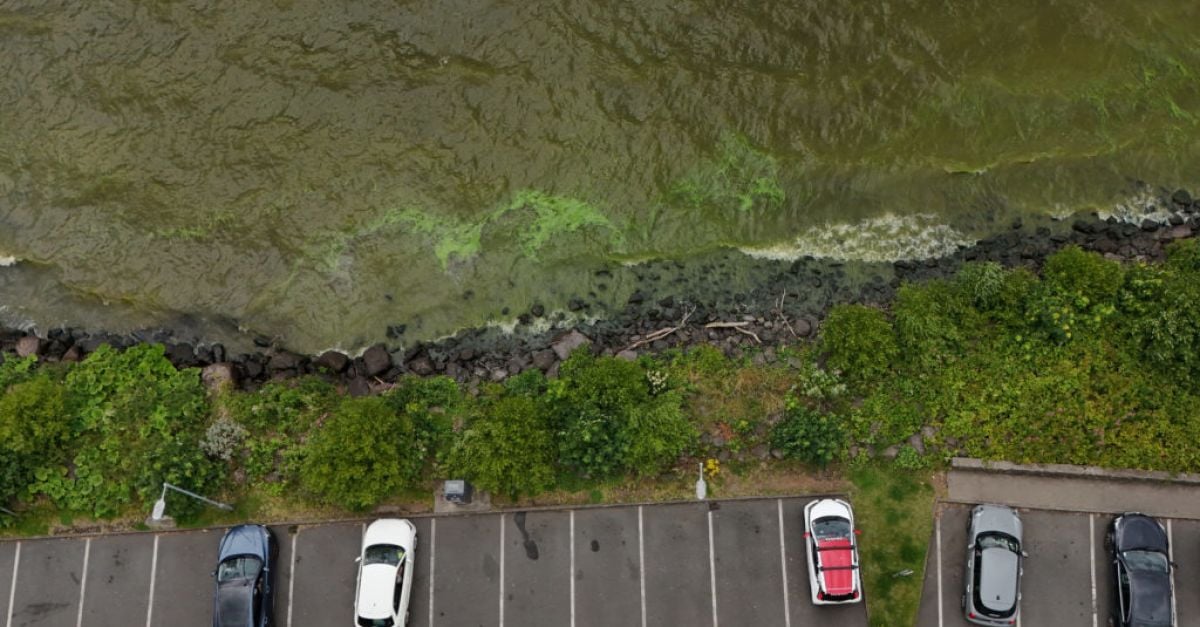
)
(663, 332)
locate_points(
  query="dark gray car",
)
(994, 556)
(1142, 567)
(244, 591)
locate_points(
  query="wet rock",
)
(376, 360)
(218, 353)
(537, 310)
(575, 304)
(564, 345)
(253, 368)
(332, 361)
(1175, 219)
(29, 345)
(1149, 225)
(182, 355)
(1178, 232)
(217, 377)
(284, 360)
(1083, 226)
(421, 365)
(544, 359)
(1181, 197)
(73, 354)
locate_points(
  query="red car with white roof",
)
(829, 539)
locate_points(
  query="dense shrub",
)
(607, 420)
(140, 423)
(509, 448)
(808, 435)
(1162, 304)
(360, 455)
(929, 323)
(14, 370)
(860, 342)
(276, 418)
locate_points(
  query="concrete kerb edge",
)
(363, 519)
(1066, 471)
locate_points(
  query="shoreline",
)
(677, 304)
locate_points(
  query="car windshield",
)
(998, 541)
(1145, 561)
(238, 569)
(389, 554)
(375, 622)
(831, 527)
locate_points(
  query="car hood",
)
(998, 579)
(244, 540)
(1150, 598)
(997, 518)
(234, 604)
(1139, 532)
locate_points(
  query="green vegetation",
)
(894, 510)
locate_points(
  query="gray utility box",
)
(457, 491)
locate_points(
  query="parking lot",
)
(727, 563)
(1068, 578)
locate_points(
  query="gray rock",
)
(29, 345)
(73, 354)
(421, 365)
(718, 440)
(777, 453)
(627, 355)
(283, 360)
(803, 327)
(544, 359)
(917, 442)
(498, 374)
(723, 455)
(761, 451)
(218, 376)
(377, 360)
(568, 343)
(928, 432)
(333, 361)
(891, 452)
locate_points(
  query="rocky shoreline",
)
(782, 302)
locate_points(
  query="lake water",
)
(315, 171)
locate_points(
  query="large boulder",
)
(332, 361)
(544, 360)
(565, 345)
(421, 365)
(376, 360)
(29, 345)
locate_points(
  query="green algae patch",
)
(739, 176)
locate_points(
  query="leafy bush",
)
(276, 418)
(360, 455)
(608, 422)
(981, 284)
(807, 435)
(508, 449)
(223, 439)
(14, 370)
(1075, 271)
(432, 405)
(860, 342)
(34, 420)
(140, 424)
(928, 323)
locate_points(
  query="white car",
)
(829, 539)
(385, 573)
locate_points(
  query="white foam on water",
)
(556, 319)
(8, 261)
(885, 238)
(1142, 206)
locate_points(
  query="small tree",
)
(508, 449)
(360, 455)
(808, 435)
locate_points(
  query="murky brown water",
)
(317, 170)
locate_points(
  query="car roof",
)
(998, 569)
(836, 558)
(235, 605)
(1150, 597)
(375, 590)
(395, 531)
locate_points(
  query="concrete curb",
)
(367, 518)
(1067, 471)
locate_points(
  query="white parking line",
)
(501, 570)
(87, 551)
(939, 569)
(1171, 556)
(153, 569)
(12, 589)
(787, 610)
(292, 577)
(641, 564)
(432, 547)
(572, 568)
(712, 569)
(1092, 557)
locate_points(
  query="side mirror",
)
(858, 532)
(213, 574)
(358, 559)
(1024, 554)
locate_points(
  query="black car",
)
(1142, 567)
(245, 595)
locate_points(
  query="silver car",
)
(994, 555)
